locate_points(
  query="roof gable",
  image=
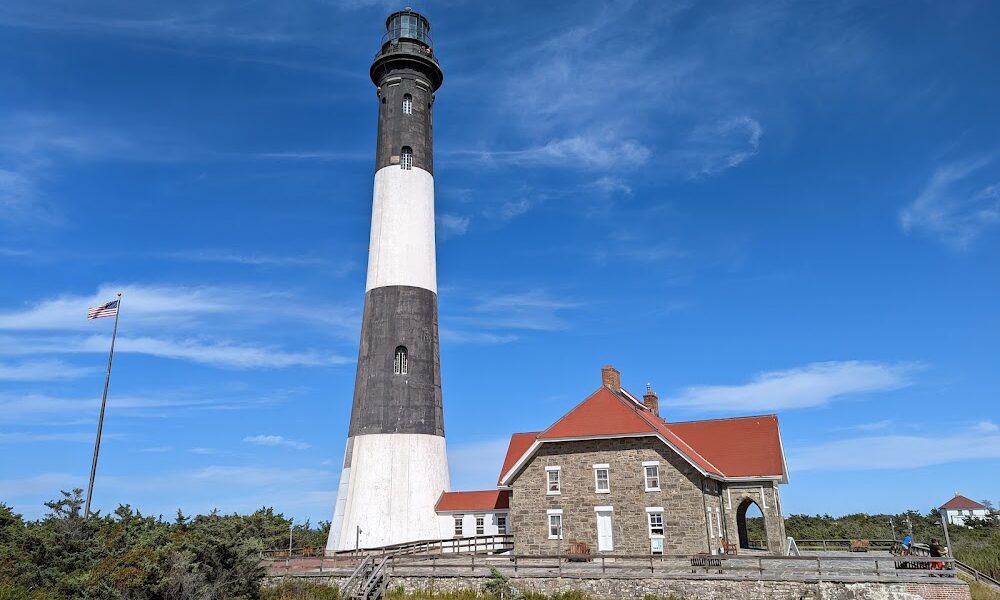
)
(961, 502)
(519, 444)
(600, 414)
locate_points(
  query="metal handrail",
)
(412, 48)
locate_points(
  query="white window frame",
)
(549, 514)
(501, 527)
(607, 478)
(407, 104)
(647, 464)
(480, 524)
(548, 481)
(400, 361)
(406, 159)
(655, 510)
(459, 529)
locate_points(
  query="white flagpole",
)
(100, 420)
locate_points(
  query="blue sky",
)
(756, 208)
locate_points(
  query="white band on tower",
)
(402, 235)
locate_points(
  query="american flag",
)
(105, 310)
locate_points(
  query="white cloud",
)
(214, 353)
(952, 208)
(25, 437)
(454, 336)
(452, 225)
(513, 208)
(815, 384)
(41, 370)
(894, 452)
(580, 152)
(610, 185)
(275, 440)
(254, 259)
(152, 317)
(533, 310)
(143, 304)
(17, 195)
(986, 427)
(18, 408)
(719, 145)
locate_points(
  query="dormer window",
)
(399, 361)
(406, 158)
(407, 104)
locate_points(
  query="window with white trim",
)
(399, 361)
(651, 471)
(552, 480)
(655, 523)
(602, 479)
(480, 524)
(555, 525)
(407, 104)
(502, 524)
(406, 158)
(458, 525)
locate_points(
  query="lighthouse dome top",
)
(408, 24)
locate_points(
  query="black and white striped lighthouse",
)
(395, 465)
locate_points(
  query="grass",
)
(981, 592)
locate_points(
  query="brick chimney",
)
(611, 377)
(651, 401)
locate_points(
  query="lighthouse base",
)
(388, 489)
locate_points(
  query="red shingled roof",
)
(961, 502)
(741, 447)
(519, 444)
(479, 500)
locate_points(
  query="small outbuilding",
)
(960, 508)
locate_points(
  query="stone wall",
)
(680, 495)
(699, 589)
(765, 495)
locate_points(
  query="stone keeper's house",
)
(614, 475)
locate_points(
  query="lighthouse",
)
(395, 465)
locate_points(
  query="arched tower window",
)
(399, 366)
(406, 158)
(407, 104)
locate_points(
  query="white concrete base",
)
(401, 249)
(389, 490)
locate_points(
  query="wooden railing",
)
(843, 545)
(865, 567)
(480, 544)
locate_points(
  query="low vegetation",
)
(130, 556)
(977, 546)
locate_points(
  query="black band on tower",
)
(393, 393)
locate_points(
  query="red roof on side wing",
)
(519, 444)
(961, 502)
(740, 447)
(479, 500)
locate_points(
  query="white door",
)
(605, 539)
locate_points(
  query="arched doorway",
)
(750, 525)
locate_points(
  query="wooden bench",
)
(579, 552)
(860, 545)
(706, 561)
